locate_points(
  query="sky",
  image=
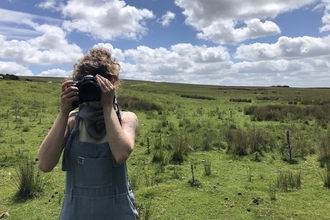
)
(211, 42)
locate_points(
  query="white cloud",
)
(230, 22)
(106, 20)
(14, 68)
(225, 32)
(182, 62)
(16, 17)
(57, 73)
(167, 18)
(279, 65)
(285, 48)
(48, 49)
(325, 4)
(55, 5)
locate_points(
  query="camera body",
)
(89, 90)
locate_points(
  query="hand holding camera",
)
(107, 90)
(89, 90)
(68, 95)
(93, 89)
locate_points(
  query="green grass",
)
(187, 126)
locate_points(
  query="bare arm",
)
(121, 138)
(51, 148)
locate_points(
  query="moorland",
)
(202, 151)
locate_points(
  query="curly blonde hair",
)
(98, 60)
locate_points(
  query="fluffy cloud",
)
(56, 72)
(14, 68)
(224, 32)
(274, 64)
(48, 49)
(51, 4)
(286, 48)
(106, 20)
(325, 5)
(182, 62)
(167, 18)
(230, 22)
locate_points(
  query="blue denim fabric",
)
(96, 186)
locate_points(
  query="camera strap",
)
(116, 107)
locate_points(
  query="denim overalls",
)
(96, 186)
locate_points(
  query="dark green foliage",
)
(207, 168)
(240, 100)
(325, 175)
(159, 156)
(288, 112)
(180, 151)
(237, 142)
(135, 103)
(28, 181)
(197, 97)
(287, 180)
(272, 190)
(295, 146)
(243, 143)
(146, 210)
(324, 152)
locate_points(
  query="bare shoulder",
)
(129, 120)
(127, 116)
(71, 120)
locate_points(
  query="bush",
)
(243, 143)
(180, 147)
(287, 180)
(134, 103)
(325, 175)
(29, 182)
(324, 155)
(237, 142)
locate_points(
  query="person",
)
(96, 141)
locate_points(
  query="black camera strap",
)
(116, 107)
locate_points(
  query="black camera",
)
(89, 90)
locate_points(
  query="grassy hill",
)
(202, 152)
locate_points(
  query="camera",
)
(89, 90)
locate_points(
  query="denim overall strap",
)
(72, 135)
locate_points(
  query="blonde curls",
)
(98, 60)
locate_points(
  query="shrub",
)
(207, 168)
(257, 140)
(180, 147)
(280, 112)
(134, 103)
(237, 142)
(324, 152)
(29, 183)
(325, 175)
(159, 156)
(287, 180)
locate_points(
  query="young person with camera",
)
(97, 141)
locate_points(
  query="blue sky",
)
(232, 43)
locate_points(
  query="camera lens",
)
(90, 92)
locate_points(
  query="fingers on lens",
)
(71, 95)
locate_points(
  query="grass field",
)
(202, 152)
